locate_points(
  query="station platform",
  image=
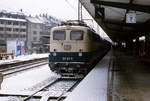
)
(23, 58)
(117, 77)
(130, 78)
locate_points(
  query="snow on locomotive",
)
(74, 48)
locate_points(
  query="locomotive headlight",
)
(54, 54)
(80, 54)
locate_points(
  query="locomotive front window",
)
(59, 35)
(76, 35)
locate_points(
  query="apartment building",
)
(13, 29)
(21, 34)
(35, 28)
(38, 32)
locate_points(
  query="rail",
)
(23, 67)
(49, 84)
(47, 95)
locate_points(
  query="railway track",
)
(56, 90)
(23, 67)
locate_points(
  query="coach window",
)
(76, 35)
(59, 35)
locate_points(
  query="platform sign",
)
(18, 48)
(11, 46)
(131, 18)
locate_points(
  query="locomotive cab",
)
(73, 49)
(69, 49)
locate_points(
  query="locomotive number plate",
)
(67, 58)
(67, 47)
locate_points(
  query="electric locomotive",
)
(74, 47)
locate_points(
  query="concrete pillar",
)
(1, 79)
(147, 44)
(137, 46)
(129, 47)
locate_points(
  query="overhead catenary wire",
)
(71, 5)
(78, 9)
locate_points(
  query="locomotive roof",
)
(70, 27)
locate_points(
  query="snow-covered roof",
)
(34, 20)
(11, 11)
(50, 21)
(12, 19)
(45, 20)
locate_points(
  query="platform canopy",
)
(121, 19)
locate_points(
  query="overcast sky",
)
(64, 9)
(61, 9)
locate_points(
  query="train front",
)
(69, 49)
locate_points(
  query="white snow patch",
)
(27, 79)
(23, 58)
(34, 20)
(13, 19)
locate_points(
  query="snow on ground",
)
(27, 79)
(22, 82)
(23, 58)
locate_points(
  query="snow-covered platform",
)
(23, 58)
(94, 86)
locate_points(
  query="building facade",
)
(13, 28)
(21, 34)
(35, 28)
(39, 28)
